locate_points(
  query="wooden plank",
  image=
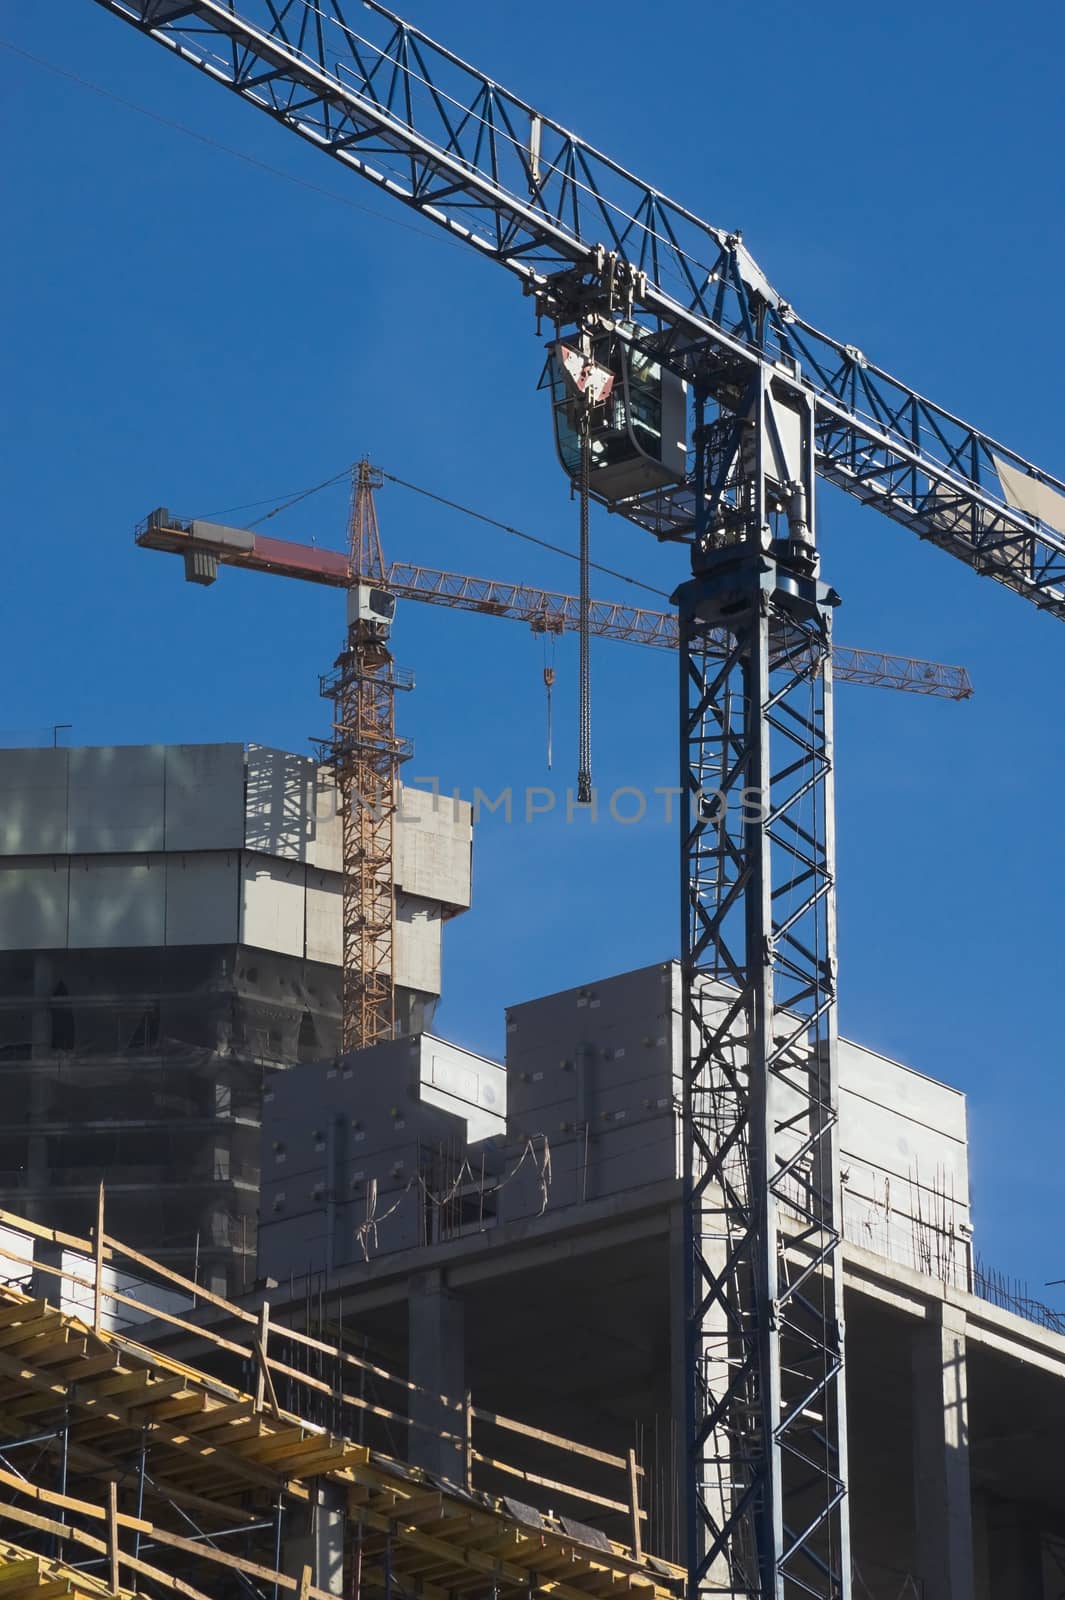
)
(194, 1290)
(40, 1231)
(115, 1520)
(229, 1433)
(26, 1331)
(71, 1349)
(93, 1464)
(17, 1572)
(30, 1519)
(86, 1366)
(252, 1569)
(634, 1506)
(112, 1501)
(165, 1409)
(584, 1495)
(288, 1445)
(261, 1344)
(24, 1310)
(467, 1441)
(268, 1380)
(495, 1568)
(98, 1269)
(316, 1465)
(347, 1359)
(65, 1502)
(358, 1402)
(556, 1439)
(168, 1317)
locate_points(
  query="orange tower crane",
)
(365, 757)
(364, 752)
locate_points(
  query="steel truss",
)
(365, 757)
(767, 1416)
(439, 136)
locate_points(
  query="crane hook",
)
(549, 683)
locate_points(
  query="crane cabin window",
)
(637, 431)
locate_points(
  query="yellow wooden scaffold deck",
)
(102, 1403)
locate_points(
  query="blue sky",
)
(184, 328)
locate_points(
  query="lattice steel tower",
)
(365, 756)
(766, 1415)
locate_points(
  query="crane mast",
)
(613, 264)
(365, 756)
(766, 1408)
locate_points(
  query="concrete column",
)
(717, 1376)
(437, 1364)
(315, 1538)
(942, 1492)
(46, 1285)
(674, 1479)
(42, 1055)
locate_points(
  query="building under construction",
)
(458, 1371)
(170, 933)
(677, 1299)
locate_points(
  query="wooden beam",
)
(98, 1264)
(112, 1524)
(634, 1506)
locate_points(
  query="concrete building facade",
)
(563, 1303)
(170, 936)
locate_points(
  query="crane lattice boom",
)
(439, 136)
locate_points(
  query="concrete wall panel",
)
(325, 847)
(900, 1146)
(273, 907)
(203, 898)
(33, 802)
(116, 802)
(417, 947)
(280, 805)
(434, 836)
(204, 796)
(908, 1093)
(33, 904)
(467, 1085)
(116, 901)
(324, 917)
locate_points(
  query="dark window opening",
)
(145, 1035)
(307, 1046)
(61, 1018)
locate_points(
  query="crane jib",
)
(468, 155)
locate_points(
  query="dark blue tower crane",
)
(692, 399)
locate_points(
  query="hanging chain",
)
(584, 751)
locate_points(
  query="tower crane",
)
(205, 546)
(691, 398)
(365, 756)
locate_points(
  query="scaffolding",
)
(125, 1470)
